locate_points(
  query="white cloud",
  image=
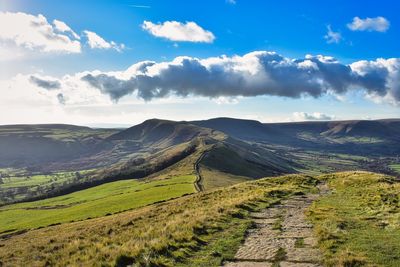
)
(315, 116)
(232, 2)
(97, 42)
(379, 24)
(332, 37)
(29, 34)
(35, 33)
(63, 27)
(223, 100)
(178, 31)
(223, 79)
(254, 74)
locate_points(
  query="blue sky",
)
(292, 29)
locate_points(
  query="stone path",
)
(282, 236)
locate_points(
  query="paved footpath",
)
(282, 236)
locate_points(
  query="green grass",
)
(359, 222)
(315, 163)
(395, 167)
(93, 202)
(214, 179)
(18, 185)
(201, 229)
(299, 243)
(39, 179)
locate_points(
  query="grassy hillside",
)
(33, 145)
(246, 149)
(359, 222)
(109, 198)
(93, 202)
(214, 179)
(136, 152)
(197, 230)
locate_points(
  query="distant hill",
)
(29, 145)
(358, 136)
(161, 133)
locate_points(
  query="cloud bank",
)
(178, 31)
(253, 74)
(379, 24)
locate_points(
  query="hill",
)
(40, 161)
(361, 137)
(35, 145)
(206, 229)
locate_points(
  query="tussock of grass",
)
(197, 230)
(358, 223)
(299, 243)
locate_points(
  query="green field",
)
(358, 224)
(17, 185)
(39, 179)
(395, 167)
(93, 202)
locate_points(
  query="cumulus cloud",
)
(332, 37)
(379, 24)
(253, 74)
(178, 31)
(29, 34)
(63, 27)
(36, 33)
(96, 41)
(315, 116)
(45, 83)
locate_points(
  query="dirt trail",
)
(282, 237)
(198, 184)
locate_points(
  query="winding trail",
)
(282, 237)
(198, 183)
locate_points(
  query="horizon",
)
(125, 126)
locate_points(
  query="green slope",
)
(93, 202)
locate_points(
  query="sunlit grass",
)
(358, 223)
(196, 230)
(93, 202)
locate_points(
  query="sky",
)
(115, 63)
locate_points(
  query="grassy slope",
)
(214, 179)
(196, 230)
(359, 223)
(93, 202)
(109, 198)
